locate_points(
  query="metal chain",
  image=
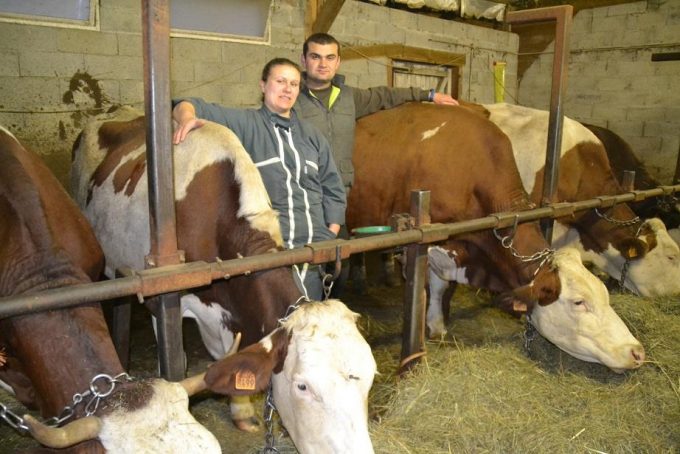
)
(633, 221)
(95, 393)
(530, 333)
(269, 409)
(327, 282)
(15, 421)
(507, 243)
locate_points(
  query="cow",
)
(223, 212)
(51, 356)
(622, 157)
(635, 252)
(467, 164)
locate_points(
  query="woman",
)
(292, 156)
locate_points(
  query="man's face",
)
(321, 63)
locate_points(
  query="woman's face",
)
(281, 89)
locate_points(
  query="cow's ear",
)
(249, 371)
(547, 286)
(516, 302)
(633, 248)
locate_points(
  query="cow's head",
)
(579, 320)
(321, 370)
(658, 272)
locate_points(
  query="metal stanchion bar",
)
(413, 331)
(562, 16)
(172, 278)
(163, 236)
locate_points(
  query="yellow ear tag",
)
(632, 253)
(245, 380)
(519, 307)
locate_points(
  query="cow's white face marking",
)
(431, 132)
(322, 392)
(527, 129)
(582, 323)
(164, 425)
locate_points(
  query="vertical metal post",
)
(562, 15)
(628, 180)
(413, 339)
(156, 43)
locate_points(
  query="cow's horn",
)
(196, 384)
(80, 430)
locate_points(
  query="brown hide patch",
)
(544, 290)
(254, 363)
(120, 138)
(128, 175)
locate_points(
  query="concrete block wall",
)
(52, 79)
(612, 81)
(361, 24)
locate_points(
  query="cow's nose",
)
(638, 353)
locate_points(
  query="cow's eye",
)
(302, 387)
(579, 303)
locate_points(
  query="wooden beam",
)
(402, 52)
(325, 15)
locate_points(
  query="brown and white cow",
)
(467, 164)
(622, 157)
(46, 243)
(223, 212)
(653, 257)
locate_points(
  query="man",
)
(334, 107)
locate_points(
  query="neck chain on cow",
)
(507, 243)
(633, 221)
(269, 409)
(530, 333)
(624, 268)
(101, 387)
(626, 263)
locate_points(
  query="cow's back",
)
(462, 158)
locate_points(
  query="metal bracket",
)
(327, 251)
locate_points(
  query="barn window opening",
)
(444, 79)
(63, 13)
(223, 20)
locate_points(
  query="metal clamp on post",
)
(606, 201)
(562, 209)
(326, 251)
(433, 233)
(638, 195)
(153, 261)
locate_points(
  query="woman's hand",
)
(335, 228)
(185, 121)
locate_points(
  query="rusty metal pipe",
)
(562, 16)
(155, 281)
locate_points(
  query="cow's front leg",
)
(243, 414)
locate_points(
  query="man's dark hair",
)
(277, 62)
(319, 38)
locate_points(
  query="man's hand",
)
(443, 98)
(335, 228)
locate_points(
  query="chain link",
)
(95, 393)
(269, 409)
(530, 333)
(15, 421)
(507, 243)
(633, 221)
(327, 283)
